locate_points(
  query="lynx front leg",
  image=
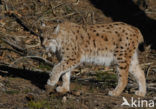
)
(66, 83)
(61, 68)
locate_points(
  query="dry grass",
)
(21, 23)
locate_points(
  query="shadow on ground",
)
(37, 78)
(127, 11)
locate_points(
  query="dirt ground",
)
(24, 65)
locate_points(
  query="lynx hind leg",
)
(122, 78)
(66, 83)
(139, 75)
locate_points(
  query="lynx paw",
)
(113, 93)
(62, 89)
(139, 93)
(51, 83)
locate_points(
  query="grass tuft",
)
(39, 105)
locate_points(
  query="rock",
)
(30, 97)
(1, 85)
(154, 98)
(77, 93)
(2, 88)
(70, 96)
(64, 99)
(84, 106)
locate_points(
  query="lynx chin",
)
(101, 44)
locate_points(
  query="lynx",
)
(101, 44)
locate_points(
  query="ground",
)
(23, 77)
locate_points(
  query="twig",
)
(32, 57)
(6, 6)
(154, 69)
(19, 21)
(70, 14)
(47, 11)
(16, 47)
(59, 5)
(146, 64)
(33, 46)
(152, 88)
(151, 84)
(148, 69)
(76, 2)
(3, 63)
(2, 68)
(3, 71)
(22, 54)
(53, 12)
(150, 12)
(93, 19)
(83, 19)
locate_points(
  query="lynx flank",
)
(97, 44)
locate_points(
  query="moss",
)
(107, 79)
(77, 86)
(12, 92)
(44, 66)
(26, 91)
(68, 9)
(39, 105)
(91, 88)
(100, 76)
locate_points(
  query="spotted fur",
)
(97, 44)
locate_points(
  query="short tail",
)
(141, 41)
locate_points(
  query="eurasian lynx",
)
(97, 44)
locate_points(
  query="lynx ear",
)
(57, 29)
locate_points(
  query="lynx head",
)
(49, 41)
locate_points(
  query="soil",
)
(23, 79)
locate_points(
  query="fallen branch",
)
(148, 69)
(56, 18)
(76, 2)
(152, 88)
(151, 84)
(19, 21)
(3, 63)
(33, 46)
(13, 45)
(59, 5)
(150, 12)
(32, 57)
(92, 17)
(146, 64)
(4, 68)
(8, 49)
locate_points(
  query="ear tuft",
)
(57, 29)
